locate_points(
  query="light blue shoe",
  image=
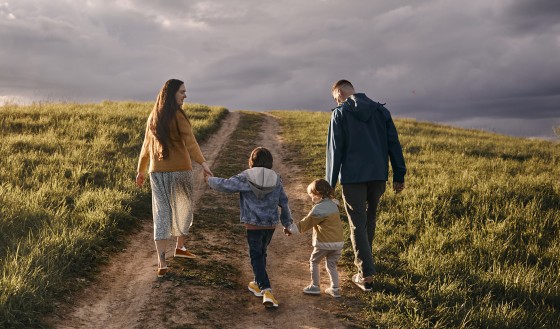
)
(312, 289)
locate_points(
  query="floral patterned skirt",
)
(172, 203)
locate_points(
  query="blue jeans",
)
(361, 201)
(258, 241)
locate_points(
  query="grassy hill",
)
(67, 195)
(472, 242)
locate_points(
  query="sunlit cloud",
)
(5, 11)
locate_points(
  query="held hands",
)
(141, 177)
(398, 187)
(207, 172)
(292, 229)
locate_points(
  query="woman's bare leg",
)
(161, 245)
(180, 241)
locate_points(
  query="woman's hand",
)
(207, 171)
(140, 178)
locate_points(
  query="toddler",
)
(328, 236)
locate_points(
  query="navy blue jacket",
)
(362, 137)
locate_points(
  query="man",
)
(361, 139)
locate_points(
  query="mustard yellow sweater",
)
(324, 218)
(182, 148)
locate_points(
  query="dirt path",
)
(122, 290)
(127, 294)
(289, 259)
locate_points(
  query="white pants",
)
(331, 259)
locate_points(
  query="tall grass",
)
(472, 242)
(67, 195)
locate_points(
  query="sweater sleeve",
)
(309, 221)
(144, 152)
(187, 135)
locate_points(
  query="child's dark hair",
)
(322, 188)
(260, 157)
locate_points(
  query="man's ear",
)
(336, 95)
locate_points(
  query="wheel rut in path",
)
(288, 259)
(116, 298)
(127, 293)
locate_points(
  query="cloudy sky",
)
(489, 64)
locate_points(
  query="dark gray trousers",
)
(360, 202)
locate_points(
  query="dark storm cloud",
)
(532, 16)
(439, 60)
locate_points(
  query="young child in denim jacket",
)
(328, 236)
(260, 194)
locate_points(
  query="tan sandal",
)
(161, 272)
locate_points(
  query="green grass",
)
(67, 195)
(472, 242)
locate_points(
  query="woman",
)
(169, 145)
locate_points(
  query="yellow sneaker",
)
(254, 288)
(184, 253)
(268, 299)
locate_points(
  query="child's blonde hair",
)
(321, 188)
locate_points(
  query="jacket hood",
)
(261, 180)
(360, 106)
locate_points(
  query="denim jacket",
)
(260, 194)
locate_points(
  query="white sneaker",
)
(358, 280)
(335, 292)
(312, 289)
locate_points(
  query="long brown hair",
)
(162, 114)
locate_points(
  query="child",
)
(328, 236)
(260, 193)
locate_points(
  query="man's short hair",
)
(260, 157)
(342, 84)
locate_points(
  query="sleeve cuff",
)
(293, 228)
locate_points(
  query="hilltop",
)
(472, 242)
